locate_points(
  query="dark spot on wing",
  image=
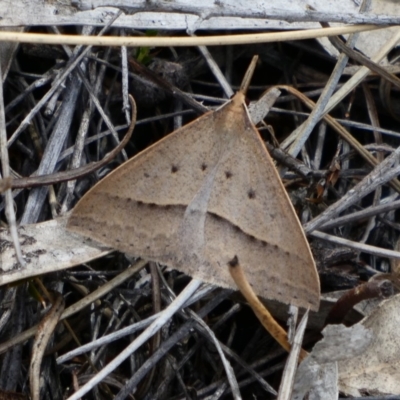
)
(174, 169)
(228, 174)
(146, 175)
(251, 194)
(203, 166)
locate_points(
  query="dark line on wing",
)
(142, 204)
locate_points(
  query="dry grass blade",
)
(365, 248)
(42, 337)
(286, 386)
(185, 41)
(10, 212)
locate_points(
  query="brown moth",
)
(201, 196)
